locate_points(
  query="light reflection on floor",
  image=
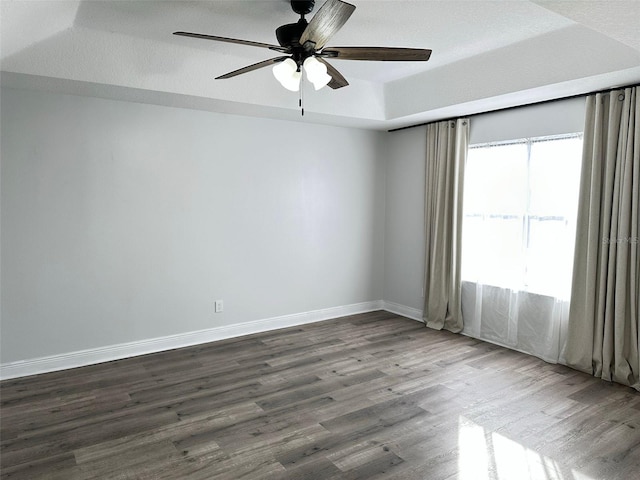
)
(486, 455)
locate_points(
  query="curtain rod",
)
(504, 109)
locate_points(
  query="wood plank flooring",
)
(363, 397)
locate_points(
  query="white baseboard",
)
(409, 312)
(92, 356)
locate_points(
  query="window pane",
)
(492, 250)
(472, 248)
(549, 258)
(555, 177)
(503, 259)
(496, 179)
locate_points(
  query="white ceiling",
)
(486, 55)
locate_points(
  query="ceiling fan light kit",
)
(303, 45)
(288, 74)
(316, 72)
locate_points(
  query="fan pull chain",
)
(300, 103)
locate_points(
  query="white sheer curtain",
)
(520, 201)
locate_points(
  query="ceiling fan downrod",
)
(302, 7)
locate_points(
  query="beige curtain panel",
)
(447, 144)
(603, 320)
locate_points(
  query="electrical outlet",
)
(219, 306)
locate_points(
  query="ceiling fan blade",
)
(250, 68)
(326, 22)
(277, 48)
(385, 54)
(337, 80)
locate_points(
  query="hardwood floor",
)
(361, 397)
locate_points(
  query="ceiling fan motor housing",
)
(289, 35)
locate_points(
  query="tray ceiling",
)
(486, 55)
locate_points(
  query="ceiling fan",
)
(303, 45)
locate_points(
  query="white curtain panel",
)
(525, 321)
(603, 337)
(447, 144)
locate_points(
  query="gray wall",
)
(122, 222)
(404, 217)
(405, 151)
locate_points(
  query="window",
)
(520, 205)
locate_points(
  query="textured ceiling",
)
(486, 54)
